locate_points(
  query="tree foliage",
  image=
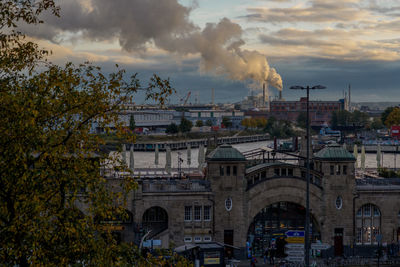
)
(279, 129)
(347, 118)
(199, 123)
(377, 124)
(302, 120)
(386, 113)
(51, 189)
(254, 123)
(226, 121)
(393, 118)
(132, 124)
(172, 129)
(185, 125)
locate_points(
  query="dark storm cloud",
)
(370, 80)
(134, 22)
(166, 24)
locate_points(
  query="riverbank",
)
(150, 138)
(183, 144)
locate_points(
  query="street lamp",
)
(355, 196)
(307, 226)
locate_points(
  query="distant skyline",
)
(232, 45)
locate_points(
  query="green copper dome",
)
(225, 153)
(334, 153)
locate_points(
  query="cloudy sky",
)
(236, 45)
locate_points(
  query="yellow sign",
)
(210, 261)
(295, 239)
(113, 227)
(211, 257)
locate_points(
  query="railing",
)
(194, 143)
(383, 181)
(256, 175)
(158, 186)
(313, 180)
(386, 184)
(342, 262)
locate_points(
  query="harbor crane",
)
(185, 99)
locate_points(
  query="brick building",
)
(320, 111)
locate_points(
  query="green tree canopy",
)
(227, 122)
(347, 118)
(172, 129)
(386, 113)
(302, 120)
(377, 124)
(132, 124)
(185, 125)
(393, 118)
(209, 123)
(199, 123)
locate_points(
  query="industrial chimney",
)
(264, 95)
(280, 95)
(349, 97)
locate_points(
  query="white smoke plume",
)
(166, 24)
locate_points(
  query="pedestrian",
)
(272, 255)
(253, 261)
(266, 251)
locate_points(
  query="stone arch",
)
(282, 190)
(272, 222)
(368, 224)
(155, 219)
(398, 227)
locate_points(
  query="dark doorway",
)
(273, 221)
(155, 220)
(338, 241)
(280, 247)
(398, 234)
(228, 239)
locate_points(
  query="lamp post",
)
(307, 226)
(355, 196)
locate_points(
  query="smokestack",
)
(280, 95)
(269, 103)
(212, 96)
(264, 99)
(349, 97)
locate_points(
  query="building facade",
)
(242, 201)
(320, 111)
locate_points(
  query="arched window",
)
(368, 223)
(155, 219)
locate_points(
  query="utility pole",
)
(307, 224)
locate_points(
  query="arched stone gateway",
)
(272, 222)
(155, 219)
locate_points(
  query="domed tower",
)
(226, 172)
(337, 166)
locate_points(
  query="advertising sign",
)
(320, 246)
(297, 240)
(212, 257)
(294, 233)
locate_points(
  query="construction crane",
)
(185, 99)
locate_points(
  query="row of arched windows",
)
(368, 224)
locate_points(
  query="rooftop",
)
(267, 164)
(225, 153)
(334, 152)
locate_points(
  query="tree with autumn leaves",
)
(51, 190)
